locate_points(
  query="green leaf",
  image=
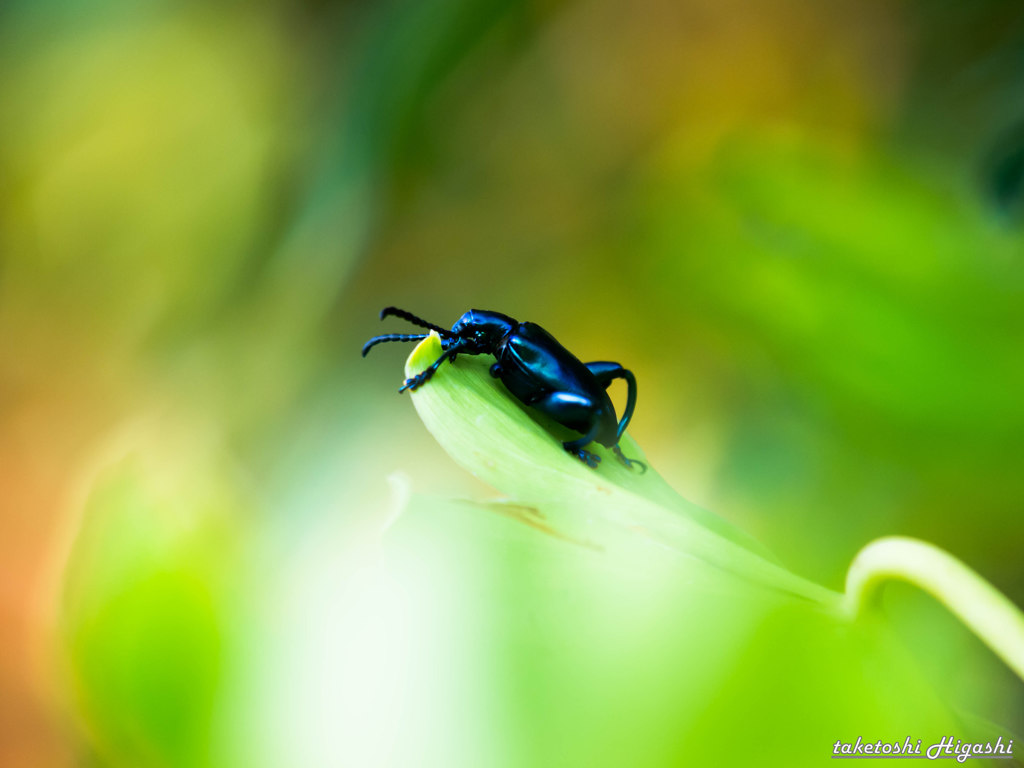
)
(649, 559)
(519, 452)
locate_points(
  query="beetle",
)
(537, 371)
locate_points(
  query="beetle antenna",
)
(410, 317)
(392, 337)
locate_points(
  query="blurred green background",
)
(799, 224)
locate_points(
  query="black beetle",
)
(538, 370)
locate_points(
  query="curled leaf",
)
(519, 451)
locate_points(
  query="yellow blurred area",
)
(137, 151)
(138, 155)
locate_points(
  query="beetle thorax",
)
(482, 330)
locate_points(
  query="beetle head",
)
(480, 330)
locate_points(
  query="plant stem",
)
(980, 606)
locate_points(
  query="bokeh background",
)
(799, 224)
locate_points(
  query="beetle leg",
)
(587, 457)
(496, 370)
(423, 376)
(628, 462)
(417, 381)
(605, 373)
(575, 447)
(567, 407)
